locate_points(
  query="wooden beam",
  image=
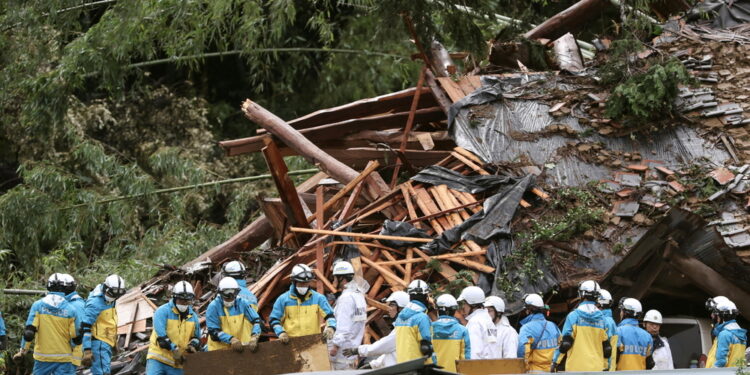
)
(357, 181)
(284, 185)
(320, 221)
(359, 235)
(442, 98)
(570, 19)
(409, 124)
(391, 277)
(408, 261)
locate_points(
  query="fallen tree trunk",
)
(568, 20)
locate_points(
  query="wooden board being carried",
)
(490, 366)
(302, 354)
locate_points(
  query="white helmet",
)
(401, 298)
(56, 282)
(496, 302)
(473, 295)
(446, 301)
(229, 288)
(234, 269)
(302, 273)
(343, 268)
(588, 289)
(183, 290)
(70, 283)
(605, 298)
(727, 309)
(418, 287)
(652, 316)
(114, 286)
(631, 307)
(533, 301)
(712, 303)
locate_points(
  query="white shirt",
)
(483, 335)
(507, 339)
(385, 348)
(351, 315)
(663, 357)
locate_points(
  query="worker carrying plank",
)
(634, 344)
(482, 330)
(585, 344)
(730, 341)
(176, 332)
(52, 324)
(507, 337)
(449, 338)
(539, 338)
(350, 313)
(231, 321)
(385, 348)
(413, 336)
(604, 303)
(299, 310)
(99, 325)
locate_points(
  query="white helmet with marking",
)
(589, 289)
(114, 287)
(495, 302)
(653, 316)
(605, 299)
(302, 273)
(631, 307)
(56, 282)
(234, 269)
(473, 295)
(342, 268)
(418, 287)
(183, 290)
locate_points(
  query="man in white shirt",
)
(662, 354)
(482, 330)
(507, 337)
(351, 314)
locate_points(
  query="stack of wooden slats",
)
(433, 209)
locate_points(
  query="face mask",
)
(228, 304)
(109, 299)
(302, 290)
(182, 308)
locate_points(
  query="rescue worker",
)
(238, 271)
(507, 337)
(730, 342)
(585, 345)
(52, 325)
(538, 338)
(634, 344)
(298, 311)
(482, 330)
(3, 342)
(79, 304)
(449, 338)
(385, 348)
(176, 332)
(413, 336)
(230, 320)
(604, 303)
(99, 326)
(350, 313)
(662, 354)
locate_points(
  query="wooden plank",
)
(302, 354)
(490, 366)
(375, 288)
(409, 261)
(287, 191)
(267, 296)
(410, 205)
(320, 221)
(390, 257)
(387, 274)
(452, 202)
(445, 270)
(377, 304)
(359, 235)
(351, 185)
(451, 88)
(452, 216)
(427, 205)
(468, 154)
(138, 326)
(407, 272)
(409, 124)
(323, 281)
(465, 85)
(466, 199)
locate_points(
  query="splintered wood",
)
(349, 226)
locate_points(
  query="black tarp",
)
(723, 13)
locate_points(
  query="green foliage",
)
(579, 211)
(648, 95)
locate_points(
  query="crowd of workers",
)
(68, 332)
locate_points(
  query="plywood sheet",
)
(490, 366)
(303, 354)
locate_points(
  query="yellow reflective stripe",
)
(161, 358)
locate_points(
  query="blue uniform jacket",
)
(106, 328)
(241, 307)
(634, 344)
(731, 343)
(247, 294)
(451, 340)
(2, 326)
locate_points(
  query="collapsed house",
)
(516, 182)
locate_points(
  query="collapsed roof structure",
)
(517, 182)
